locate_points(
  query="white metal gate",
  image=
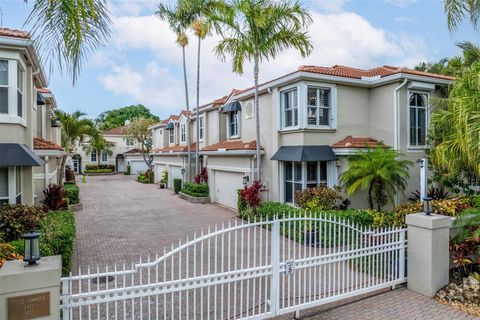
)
(252, 270)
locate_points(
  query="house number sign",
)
(289, 267)
(28, 307)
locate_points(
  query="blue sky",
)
(142, 64)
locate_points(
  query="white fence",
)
(252, 270)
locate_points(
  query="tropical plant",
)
(54, 197)
(320, 197)
(138, 130)
(436, 193)
(69, 31)
(202, 177)
(459, 10)
(380, 171)
(258, 30)
(74, 130)
(455, 127)
(7, 253)
(251, 195)
(118, 117)
(179, 20)
(15, 220)
(99, 144)
(69, 174)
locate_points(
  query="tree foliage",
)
(380, 171)
(117, 117)
(99, 144)
(138, 130)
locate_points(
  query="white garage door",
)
(175, 173)
(137, 166)
(226, 186)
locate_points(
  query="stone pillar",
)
(31, 292)
(428, 254)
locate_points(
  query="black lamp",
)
(245, 180)
(32, 248)
(427, 206)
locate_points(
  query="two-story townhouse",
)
(26, 130)
(312, 119)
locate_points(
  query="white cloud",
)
(338, 38)
(401, 3)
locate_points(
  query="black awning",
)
(18, 155)
(170, 126)
(40, 99)
(232, 106)
(304, 153)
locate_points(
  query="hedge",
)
(57, 235)
(98, 171)
(72, 191)
(177, 185)
(101, 166)
(195, 190)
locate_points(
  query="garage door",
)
(137, 166)
(226, 186)
(175, 173)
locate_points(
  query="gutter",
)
(395, 114)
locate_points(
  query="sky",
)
(142, 64)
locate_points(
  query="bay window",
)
(12, 88)
(233, 122)
(318, 106)
(289, 106)
(302, 175)
(418, 119)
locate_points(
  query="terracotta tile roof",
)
(5, 32)
(357, 142)
(44, 90)
(355, 73)
(177, 148)
(116, 131)
(42, 144)
(232, 145)
(134, 150)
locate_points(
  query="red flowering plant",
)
(202, 177)
(251, 195)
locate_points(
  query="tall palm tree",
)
(179, 21)
(380, 171)
(471, 52)
(459, 10)
(69, 31)
(98, 143)
(259, 30)
(74, 129)
(201, 12)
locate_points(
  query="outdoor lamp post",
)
(32, 248)
(427, 205)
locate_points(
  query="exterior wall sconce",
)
(32, 248)
(246, 179)
(427, 206)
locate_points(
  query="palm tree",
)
(99, 144)
(259, 30)
(381, 171)
(74, 130)
(200, 12)
(471, 52)
(179, 21)
(455, 126)
(459, 10)
(69, 31)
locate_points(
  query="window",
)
(129, 142)
(93, 156)
(171, 136)
(318, 109)
(104, 156)
(233, 124)
(4, 86)
(301, 175)
(289, 106)
(201, 125)
(18, 185)
(3, 186)
(418, 119)
(19, 91)
(183, 135)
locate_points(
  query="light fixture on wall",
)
(246, 179)
(427, 206)
(31, 248)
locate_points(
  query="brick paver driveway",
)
(123, 219)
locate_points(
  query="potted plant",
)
(163, 181)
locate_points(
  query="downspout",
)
(46, 171)
(395, 114)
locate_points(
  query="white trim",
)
(231, 153)
(427, 118)
(238, 135)
(233, 169)
(53, 153)
(41, 176)
(347, 151)
(5, 118)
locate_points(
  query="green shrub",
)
(164, 179)
(72, 192)
(127, 172)
(320, 197)
(241, 204)
(177, 185)
(98, 171)
(195, 190)
(45, 250)
(15, 220)
(70, 182)
(474, 201)
(99, 167)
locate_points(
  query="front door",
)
(76, 165)
(120, 164)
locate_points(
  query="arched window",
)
(418, 119)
